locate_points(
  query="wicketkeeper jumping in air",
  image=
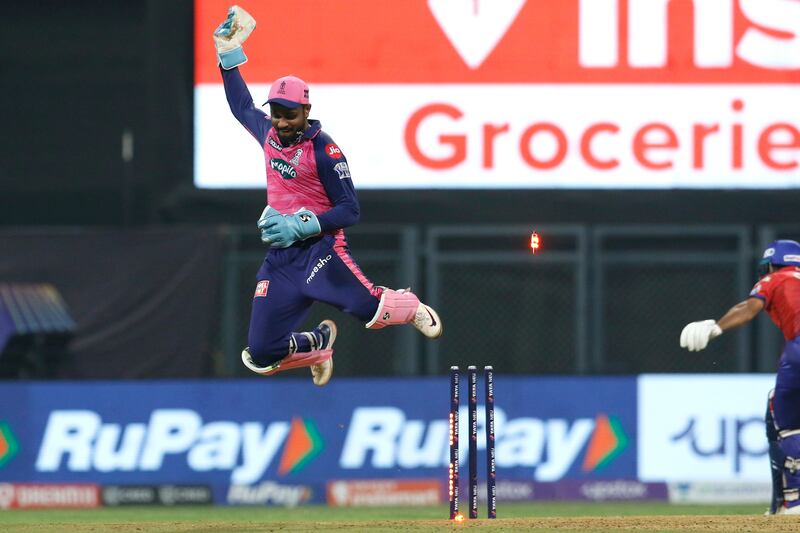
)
(311, 199)
(777, 291)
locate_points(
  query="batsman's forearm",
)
(740, 314)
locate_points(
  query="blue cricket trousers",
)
(787, 387)
(291, 279)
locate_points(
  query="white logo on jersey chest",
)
(296, 159)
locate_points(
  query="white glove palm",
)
(695, 336)
(230, 35)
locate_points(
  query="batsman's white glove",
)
(695, 336)
(230, 35)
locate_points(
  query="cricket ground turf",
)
(562, 517)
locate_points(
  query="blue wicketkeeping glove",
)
(282, 231)
(230, 35)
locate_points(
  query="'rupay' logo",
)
(8, 444)
(80, 441)
(303, 444)
(607, 442)
(383, 437)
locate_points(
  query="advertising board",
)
(481, 94)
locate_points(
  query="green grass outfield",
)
(560, 516)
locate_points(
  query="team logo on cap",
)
(282, 89)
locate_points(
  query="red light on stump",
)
(535, 242)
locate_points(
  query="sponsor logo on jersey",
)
(321, 263)
(296, 159)
(342, 170)
(261, 289)
(275, 144)
(286, 170)
(333, 151)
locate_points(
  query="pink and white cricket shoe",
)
(427, 321)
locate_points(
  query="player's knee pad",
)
(790, 447)
(395, 307)
(776, 456)
(769, 418)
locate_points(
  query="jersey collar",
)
(314, 127)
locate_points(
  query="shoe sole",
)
(436, 319)
(332, 326)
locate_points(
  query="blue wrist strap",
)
(232, 58)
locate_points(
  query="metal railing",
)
(594, 300)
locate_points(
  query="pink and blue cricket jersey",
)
(313, 174)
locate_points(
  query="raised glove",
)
(695, 336)
(230, 35)
(281, 231)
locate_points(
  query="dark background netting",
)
(68, 103)
(646, 307)
(518, 317)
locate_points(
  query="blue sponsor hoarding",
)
(288, 438)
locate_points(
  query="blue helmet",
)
(782, 252)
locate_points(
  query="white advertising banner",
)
(523, 94)
(703, 428)
(547, 136)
